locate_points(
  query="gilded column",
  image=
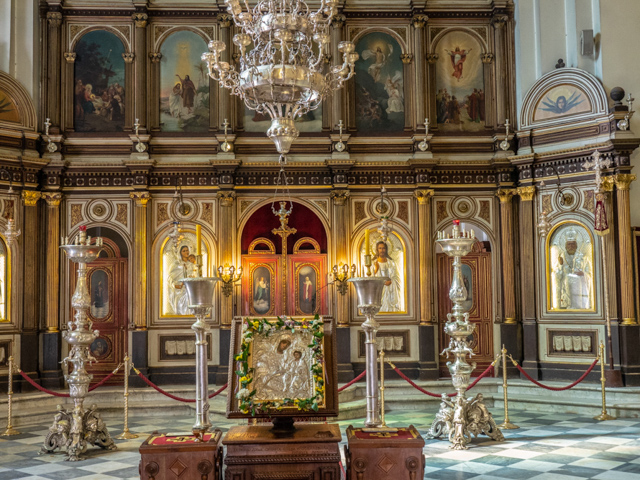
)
(54, 71)
(140, 58)
(506, 238)
(341, 235)
(141, 199)
(610, 246)
(623, 182)
(53, 200)
(420, 75)
(425, 255)
(226, 241)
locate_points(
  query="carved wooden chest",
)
(169, 457)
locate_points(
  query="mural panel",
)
(561, 101)
(99, 103)
(184, 84)
(379, 84)
(99, 288)
(8, 108)
(460, 97)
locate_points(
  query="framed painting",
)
(260, 289)
(282, 366)
(460, 96)
(308, 272)
(561, 101)
(100, 293)
(101, 347)
(570, 268)
(184, 84)
(99, 95)
(5, 352)
(379, 84)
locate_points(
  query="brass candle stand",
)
(603, 380)
(460, 417)
(74, 430)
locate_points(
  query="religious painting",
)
(570, 268)
(99, 348)
(389, 260)
(178, 263)
(460, 96)
(379, 84)
(307, 289)
(99, 291)
(5, 352)
(99, 96)
(467, 278)
(8, 109)
(561, 101)
(261, 287)
(184, 84)
(4, 281)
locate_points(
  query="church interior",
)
(313, 225)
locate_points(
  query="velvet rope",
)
(103, 381)
(58, 394)
(358, 378)
(437, 395)
(173, 397)
(557, 389)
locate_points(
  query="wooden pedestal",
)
(312, 452)
(169, 457)
(384, 455)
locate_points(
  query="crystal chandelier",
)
(283, 75)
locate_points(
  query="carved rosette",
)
(419, 21)
(406, 58)
(526, 193)
(54, 19)
(432, 58)
(70, 57)
(140, 19)
(340, 197)
(226, 198)
(141, 198)
(424, 196)
(30, 198)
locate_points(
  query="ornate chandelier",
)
(284, 75)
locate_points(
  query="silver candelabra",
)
(75, 429)
(369, 290)
(200, 292)
(459, 418)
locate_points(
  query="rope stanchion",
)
(603, 415)
(174, 397)
(41, 388)
(357, 379)
(126, 434)
(10, 430)
(506, 425)
(555, 389)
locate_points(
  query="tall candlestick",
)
(198, 240)
(367, 246)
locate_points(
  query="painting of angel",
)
(561, 101)
(379, 84)
(460, 97)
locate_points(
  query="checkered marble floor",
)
(546, 447)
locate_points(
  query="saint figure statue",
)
(572, 274)
(384, 266)
(182, 267)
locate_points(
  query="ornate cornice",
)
(623, 180)
(141, 198)
(340, 197)
(526, 193)
(226, 198)
(53, 199)
(30, 197)
(424, 195)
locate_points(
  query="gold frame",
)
(548, 273)
(161, 283)
(272, 288)
(297, 289)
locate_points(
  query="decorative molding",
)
(623, 180)
(76, 215)
(155, 57)
(432, 58)
(140, 19)
(226, 198)
(53, 199)
(340, 197)
(406, 58)
(419, 21)
(526, 193)
(441, 211)
(122, 210)
(162, 213)
(505, 194)
(487, 58)
(608, 183)
(70, 57)
(54, 19)
(141, 198)
(128, 57)
(30, 197)
(338, 21)
(423, 196)
(499, 21)
(224, 20)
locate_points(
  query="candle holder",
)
(229, 275)
(77, 428)
(460, 417)
(200, 292)
(369, 291)
(340, 275)
(423, 146)
(504, 144)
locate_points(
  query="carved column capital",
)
(505, 194)
(140, 19)
(155, 57)
(340, 197)
(141, 198)
(487, 57)
(526, 193)
(53, 199)
(70, 57)
(623, 180)
(224, 20)
(424, 195)
(30, 197)
(406, 58)
(499, 21)
(54, 19)
(338, 21)
(128, 57)
(419, 21)
(432, 58)
(226, 198)
(608, 183)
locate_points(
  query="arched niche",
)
(99, 96)
(17, 111)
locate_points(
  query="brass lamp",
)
(340, 275)
(229, 275)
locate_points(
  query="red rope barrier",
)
(173, 397)
(358, 378)
(482, 375)
(436, 395)
(220, 390)
(557, 389)
(41, 388)
(103, 381)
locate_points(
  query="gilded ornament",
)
(424, 195)
(140, 19)
(155, 57)
(226, 198)
(340, 197)
(53, 199)
(128, 57)
(54, 19)
(224, 20)
(141, 198)
(406, 58)
(338, 21)
(623, 180)
(505, 194)
(122, 210)
(30, 197)
(499, 21)
(76, 215)
(432, 58)
(162, 213)
(526, 193)
(419, 21)
(70, 57)
(487, 57)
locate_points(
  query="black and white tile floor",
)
(546, 447)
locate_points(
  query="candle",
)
(198, 240)
(367, 247)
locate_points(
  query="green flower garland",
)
(245, 395)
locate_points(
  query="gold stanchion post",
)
(10, 430)
(126, 434)
(603, 415)
(506, 425)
